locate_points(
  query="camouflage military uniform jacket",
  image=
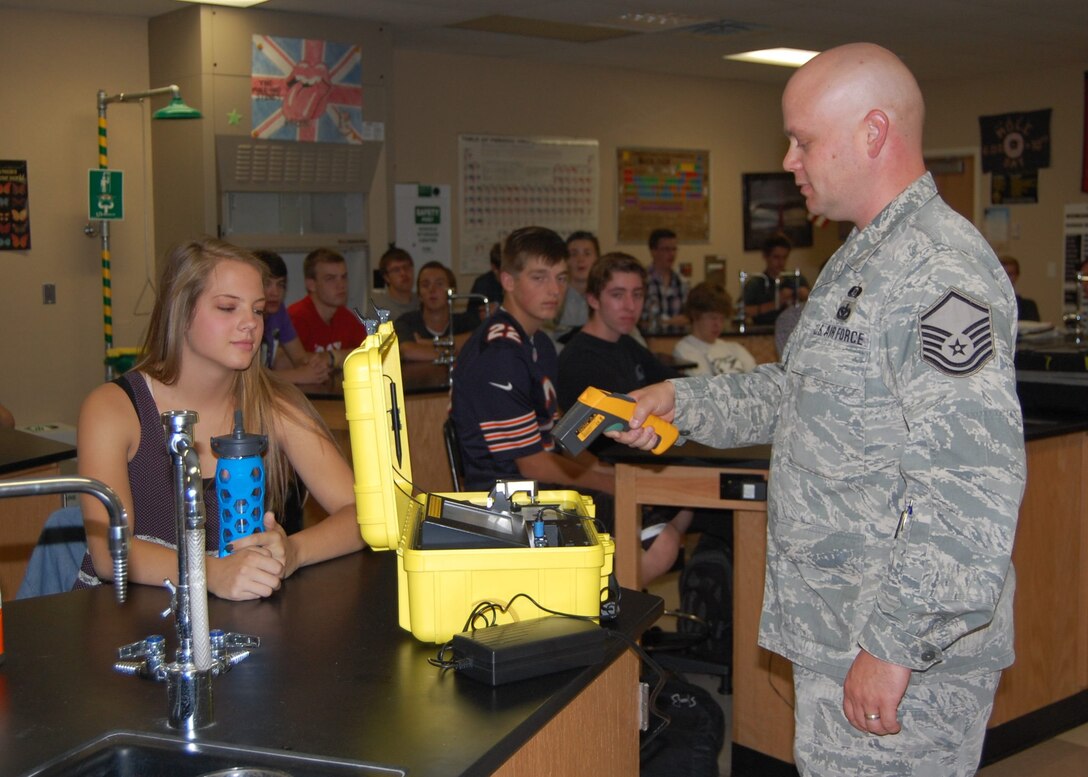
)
(896, 388)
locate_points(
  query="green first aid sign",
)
(106, 195)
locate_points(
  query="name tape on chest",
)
(841, 334)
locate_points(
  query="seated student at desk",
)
(665, 289)
(1026, 309)
(281, 350)
(398, 270)
(503, 399)
(573, 310)
(322, 318)
(709, 307)
(419, 330)
(603, 355)
(762, 303)
(200, 354)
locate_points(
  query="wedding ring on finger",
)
(872, 716)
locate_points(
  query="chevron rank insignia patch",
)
(957, 335)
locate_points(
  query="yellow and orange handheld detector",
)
(598, 411)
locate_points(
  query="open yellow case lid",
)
(374, 405)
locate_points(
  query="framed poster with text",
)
(663, 188)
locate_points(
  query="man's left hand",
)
(872, 692)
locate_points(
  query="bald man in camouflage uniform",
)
(898, 454)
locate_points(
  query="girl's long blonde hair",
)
(261, 396)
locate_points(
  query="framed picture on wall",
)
(772, 204)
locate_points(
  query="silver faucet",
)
(1076, 320)
(445, 345)
(741, 316)
(202, 653)
(118, 530)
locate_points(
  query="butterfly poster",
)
(14, 210)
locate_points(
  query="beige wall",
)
(55, 63)
(953, 109)
(436, 97)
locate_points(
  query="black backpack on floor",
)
(689, 745)
(706, 591)
(703, 640)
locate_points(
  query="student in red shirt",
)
(321, 318)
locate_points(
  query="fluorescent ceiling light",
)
(654, 22)
(231, 3)
(783, 57)
(539, 28)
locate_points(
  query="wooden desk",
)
(25, 455)
(1042, 694)
(1050, 556)
(690, 476)
(758, 340)
(671, 361)
(687, 475)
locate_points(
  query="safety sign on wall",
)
(106, 195)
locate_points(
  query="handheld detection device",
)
(597, 411)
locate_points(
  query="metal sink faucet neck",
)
(741, 316)
(445, 345)
(1076, 321)
(118, 528)
(191, 593)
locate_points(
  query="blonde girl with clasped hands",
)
(200, 354)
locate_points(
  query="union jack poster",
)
(306, 90)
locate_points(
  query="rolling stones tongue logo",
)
(308, 90)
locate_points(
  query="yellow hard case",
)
(438, 589)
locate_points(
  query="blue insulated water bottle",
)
(239, 483)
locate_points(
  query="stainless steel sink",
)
(128, 754)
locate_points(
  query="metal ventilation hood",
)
(248, 165)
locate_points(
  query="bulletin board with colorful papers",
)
(663, 188)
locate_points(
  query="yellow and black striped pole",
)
(104, 231)
(175, 110)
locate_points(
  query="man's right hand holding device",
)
(658, 399)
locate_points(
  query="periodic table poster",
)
(663, 188)
(511, 182)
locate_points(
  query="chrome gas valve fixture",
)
(202, 653)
